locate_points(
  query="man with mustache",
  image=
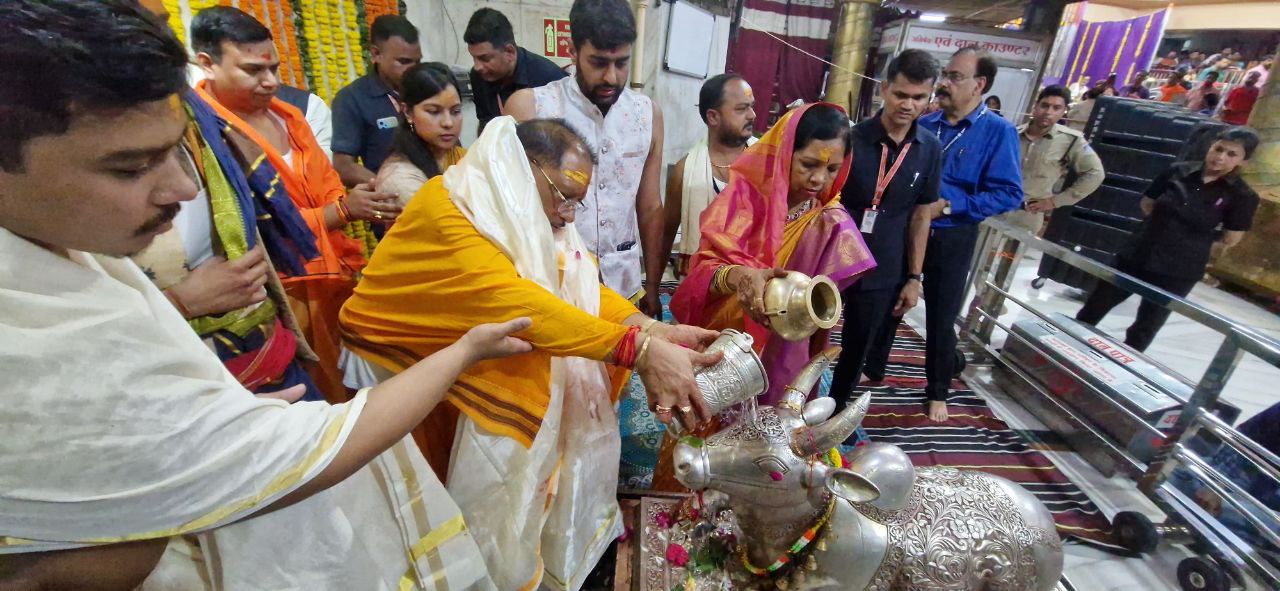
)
(240, 61)
(1050, 152)
(981, 177)
(499, 67)
(623, 213)
(727, 107)
(128, 452)
(893, 207)
(223, 280)
(365, 111)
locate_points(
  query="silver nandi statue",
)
(878, 524)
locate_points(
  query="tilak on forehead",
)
(576, 176)
(825, 155)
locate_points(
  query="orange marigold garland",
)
(295, 51)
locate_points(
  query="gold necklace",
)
(725, 167)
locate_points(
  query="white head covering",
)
(501, 487)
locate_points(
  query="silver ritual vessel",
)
(737, 378)
(886, 525)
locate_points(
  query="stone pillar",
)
(1042, 17)
(853, 41)
(1255, 263)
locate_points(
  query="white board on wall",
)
(690, 32)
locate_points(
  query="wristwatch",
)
(946, 208)
(916, 276)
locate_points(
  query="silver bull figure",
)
(888, 525)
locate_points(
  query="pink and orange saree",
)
(747, 225)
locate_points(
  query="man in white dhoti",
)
(728, 107)
(129, 455)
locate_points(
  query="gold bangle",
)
(720, 281)
(644, 348)
(649, 323)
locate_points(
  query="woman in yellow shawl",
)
(536, 447)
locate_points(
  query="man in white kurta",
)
(622, 221)
(129, 455)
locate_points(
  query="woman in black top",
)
(1188, 208)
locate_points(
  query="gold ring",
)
(686, 409)
(377, 215)
(660, 409)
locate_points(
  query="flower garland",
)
(272, 18)
(294, 61)
(363, 23)
(796, 548)
(376, 8)
(314, 66)
(175, 19)
(362, 231)
(351, 33)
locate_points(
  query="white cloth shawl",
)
(502, 487)
(118, 424)
(697, 190)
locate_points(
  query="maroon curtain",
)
(779, 74)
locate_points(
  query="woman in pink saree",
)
(780, 212)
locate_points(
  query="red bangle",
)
(177, 303)
(344, 214)
(625, 354)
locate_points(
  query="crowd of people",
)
(237, 362)
(1191, 79)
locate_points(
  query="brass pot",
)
(735, 379)
(798, 305)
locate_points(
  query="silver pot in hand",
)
(738, 377)
(798, 305)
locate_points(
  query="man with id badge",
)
(981, 177)
(365, 112)
(892, 207)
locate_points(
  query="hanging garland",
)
(312, 65)
(271, 18)
(362, 21)
(350, 32)
(175, 19)
(323, 44)
(294, 56)
(376, 8)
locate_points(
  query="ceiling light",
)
(933, 17)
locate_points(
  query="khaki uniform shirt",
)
(1045, 164)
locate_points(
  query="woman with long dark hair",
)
(993, 103)
(426, 141)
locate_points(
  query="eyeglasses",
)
(565, 202)
(956, 77)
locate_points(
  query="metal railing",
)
(995, 261)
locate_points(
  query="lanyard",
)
(942, 121)
(882, 179)
(395, 104)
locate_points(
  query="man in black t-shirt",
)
(891, 193)
(1188, 208)
(499, 66)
